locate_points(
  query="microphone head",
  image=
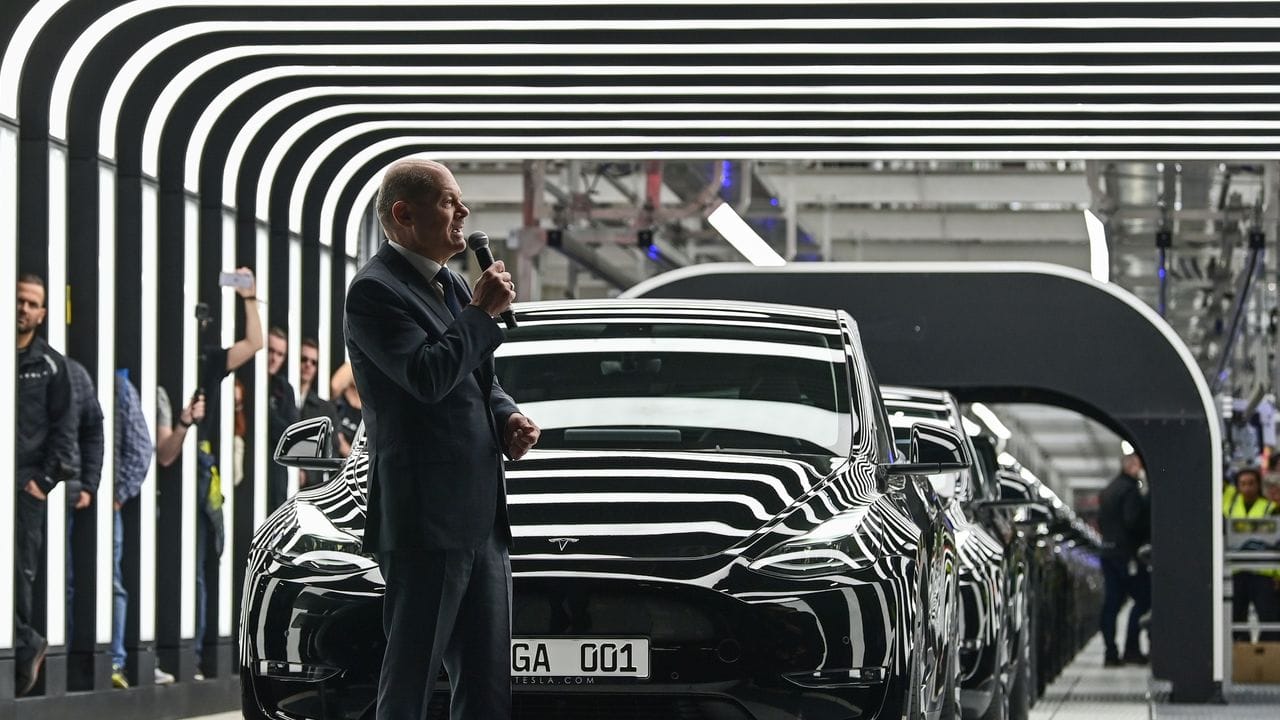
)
(477, 240)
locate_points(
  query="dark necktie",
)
(447, 283)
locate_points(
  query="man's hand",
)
(252, 290)
(34, 490)
(494, 291)
(116, 504)
(522, 434)
(194, 411)
(84, 501)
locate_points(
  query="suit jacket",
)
(433, 410)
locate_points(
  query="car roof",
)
(727, 311)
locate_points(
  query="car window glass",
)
(682, 386)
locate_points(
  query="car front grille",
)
(547, 706)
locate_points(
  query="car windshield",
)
(683, 386)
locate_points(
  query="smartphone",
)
(235, 280)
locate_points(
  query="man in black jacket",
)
(45, 446)
(1126, 526)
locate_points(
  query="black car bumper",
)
(312, 648)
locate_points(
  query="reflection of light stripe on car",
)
(704, 346)
(668, 309)
(661, 528)
(772, 482)
(757, 509)
(816, 330)
(821, 427)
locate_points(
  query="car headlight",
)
(845, 542)
(318, 544)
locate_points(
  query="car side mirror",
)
(934, 450)
(306, 445)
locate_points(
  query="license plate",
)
(580, 657)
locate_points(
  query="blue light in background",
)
(773, 202)
(654, 253)
(727, 171)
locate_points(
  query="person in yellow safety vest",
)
(1258, 588)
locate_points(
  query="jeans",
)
(206, 558)
(120, 596)
(1120, 585)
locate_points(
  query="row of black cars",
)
(726, 519)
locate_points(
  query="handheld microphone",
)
(479, 244)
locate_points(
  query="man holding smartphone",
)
(216, 364)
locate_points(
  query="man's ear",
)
(401, 213)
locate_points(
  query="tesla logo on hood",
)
(562, 543)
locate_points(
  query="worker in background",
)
(1125, 522)
(1247, 587)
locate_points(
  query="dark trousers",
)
(1247, 587)
(29, 528)
(452, 606)
(1120, 586)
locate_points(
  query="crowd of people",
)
(60, 439)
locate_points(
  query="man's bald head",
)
(410, 179)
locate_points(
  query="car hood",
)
(651, 505)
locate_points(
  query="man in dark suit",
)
(421, 347)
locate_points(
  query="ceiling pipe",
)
(1257, 242)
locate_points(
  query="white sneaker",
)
(162, 677)
(198, 676)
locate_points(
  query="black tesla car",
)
(716, 525)
(1065, 573)
(995, 596)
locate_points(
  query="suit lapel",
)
(404, 271)
(409, 275)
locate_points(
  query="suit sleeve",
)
(380, 326)
(502, 406)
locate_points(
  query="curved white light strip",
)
(77, 55)
(1214, 501)
(235, 156)
(272, 108)
(742, 237)
(323, 151)
(168, 97)
(1099, 255)
(15, 55)
(8, 360)
(20, 47)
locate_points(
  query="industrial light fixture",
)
(1006, 460)
(971, 428)
(1099, 256)
(740, 235)
(991, 421)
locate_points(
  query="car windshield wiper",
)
(758, 450)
